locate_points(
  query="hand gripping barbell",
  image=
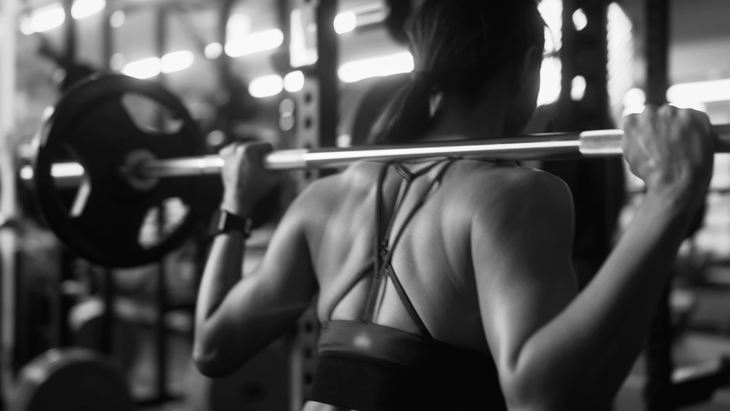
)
(123, 169)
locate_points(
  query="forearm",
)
(223, 266)
(223, 269)
(594, 341)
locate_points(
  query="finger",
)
(630, 121)
(651, 108)
(228, 149)
(240, 149)
(702, 119)
(669, 111)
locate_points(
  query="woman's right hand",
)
(245, 181)
(672, 150)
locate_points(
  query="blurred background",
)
(250, 69)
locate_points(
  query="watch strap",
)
(224, 222)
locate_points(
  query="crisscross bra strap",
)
(383, 251)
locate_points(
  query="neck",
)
(458, 121)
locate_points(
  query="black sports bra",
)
(367, 366)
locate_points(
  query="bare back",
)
(435, 257)
(432, 259)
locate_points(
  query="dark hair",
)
(457, 45)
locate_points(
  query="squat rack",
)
(8, 205)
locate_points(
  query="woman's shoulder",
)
(331, 189)
(496, 186)
(503, 175)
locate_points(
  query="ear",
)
(527, 67)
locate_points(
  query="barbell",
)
(143, 169)
(122, 166)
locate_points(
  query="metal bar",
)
(328, 62)
(8, 197)
(161, 334)
(551, 145)
(547, 146)
(69, 27)
(657, 51)
(107, 35)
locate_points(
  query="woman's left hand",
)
(245, 180)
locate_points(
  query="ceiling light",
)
(254, 43)
(294, 81)
(176, 61)
(213, 51)
(86, 8)
(578, 90)
(376, 67)
(699, 92)
(117, 19)
(266, 86)
(43, 19)
(142, 69)
(580, 20)
(345, 22)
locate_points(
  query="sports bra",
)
(366, 366)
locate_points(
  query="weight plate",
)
(71, 380)
(98, 123)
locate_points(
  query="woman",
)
(447, 284)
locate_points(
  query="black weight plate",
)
(71, 380)
(92, 124)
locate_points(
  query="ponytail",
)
(457, 47)
(407, 116)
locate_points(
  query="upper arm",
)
(269, 299)
(521, 242)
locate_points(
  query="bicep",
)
(521, 255)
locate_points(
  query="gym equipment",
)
(697, 384)
(116, 219)
(85, 321)
(545, 146)
(71, 380)
(128, 211)
(92, 124)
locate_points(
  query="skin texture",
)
(486, 261)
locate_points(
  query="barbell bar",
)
(545, 146)
(102, 173)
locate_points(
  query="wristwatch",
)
(225, 222)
